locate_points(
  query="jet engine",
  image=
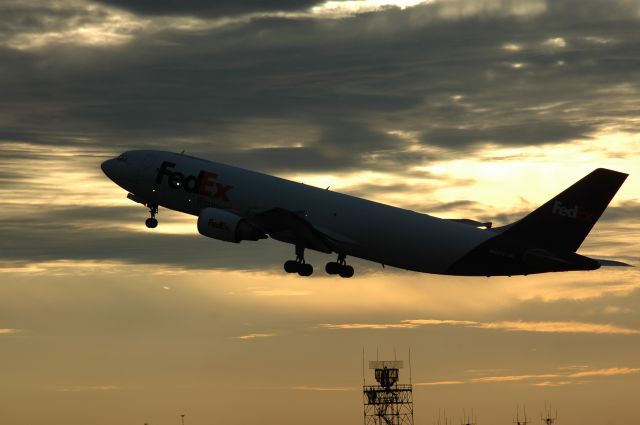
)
(226, 226)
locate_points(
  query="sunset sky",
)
(480, 109)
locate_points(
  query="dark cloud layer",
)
(523, 134)
(340, 84)
(93, 233)
(209, 8)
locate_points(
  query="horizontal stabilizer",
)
(612, 263)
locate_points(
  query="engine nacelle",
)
(227, 226)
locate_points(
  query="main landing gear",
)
(298, 265)
(152, 222)
(340, 267)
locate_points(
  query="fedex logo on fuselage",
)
(574, 212)
(204, 183)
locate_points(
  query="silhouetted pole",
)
(182, 418)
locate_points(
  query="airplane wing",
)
(293, 227)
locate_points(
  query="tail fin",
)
(565, 221)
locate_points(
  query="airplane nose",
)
(107, 167)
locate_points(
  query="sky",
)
(477, 109)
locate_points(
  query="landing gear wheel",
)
(151, 222)
(291, 266)
(347, 271)
(298, 265)
(332, 268)
(339, 267)
(305, 270)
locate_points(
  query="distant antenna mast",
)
(468, 420)
(442, 418)
(364, 380)
(517, 420)
(410, 374)
(548, 419)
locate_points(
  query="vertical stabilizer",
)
(565, 221)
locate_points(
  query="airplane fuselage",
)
(351, 226)
(369, 230)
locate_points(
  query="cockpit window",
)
(122, 157)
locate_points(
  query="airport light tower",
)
(388, 402)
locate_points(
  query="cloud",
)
(613, 371)
(525, 133)
(547, 379)
(255, 335)
(427, 322)
(514, 378)
(35, 24)
(350, 326)
(220, 8)
(560, 327)
(339, 86)
(513, 326)
(552, 383)
(8, 331)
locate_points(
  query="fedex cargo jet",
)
(233, 205)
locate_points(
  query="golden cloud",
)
(255, 335)
(552, 383)
(515, 378)
(612, 371)
(547, 379)
(368, 326)
(514, 326)
(559, 327)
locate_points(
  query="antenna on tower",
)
(468, 420)
(442, 417)
(548, 419)
(388, 402)
(517, 420)
(364, 382)
(410, 375)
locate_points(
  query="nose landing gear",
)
(152, 222)
(298, 265)
(340, 267)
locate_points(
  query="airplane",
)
(234, 204)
